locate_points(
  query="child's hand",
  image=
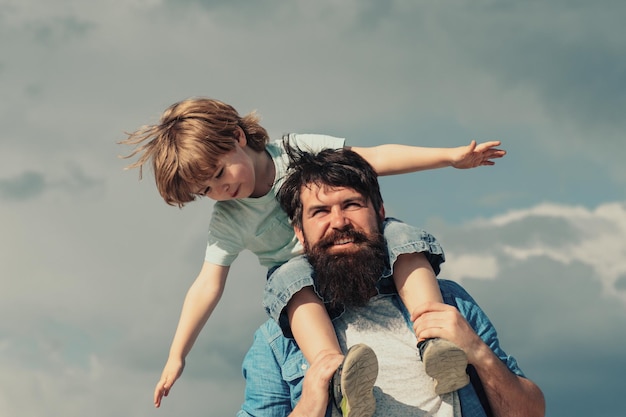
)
(473, 155)
(172, 371)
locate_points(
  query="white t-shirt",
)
(402, 388)
(259, 224)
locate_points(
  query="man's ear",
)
(299, 234)
(381, 212)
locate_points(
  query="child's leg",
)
(444, 361)
(292, 302)
(415, 280)
(415, 258)
(310, 324)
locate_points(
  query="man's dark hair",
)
(331, 168)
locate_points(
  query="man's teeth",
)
(343, 241)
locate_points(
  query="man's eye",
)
(353, 206)
(318, 212)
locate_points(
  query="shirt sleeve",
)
(454, 294)
(224, 242)
(267, 394)
(315, 143)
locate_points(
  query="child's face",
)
(234, 177)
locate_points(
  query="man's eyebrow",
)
(353, 199)
(316, 207)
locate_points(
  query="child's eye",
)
(219, 173)
(206, 191)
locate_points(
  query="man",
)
(334, 202)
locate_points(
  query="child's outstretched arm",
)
(201, 299)
(400, 159)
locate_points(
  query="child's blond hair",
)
(187, 143)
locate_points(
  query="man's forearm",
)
(306, 408)
(509, 395)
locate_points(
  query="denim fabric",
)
(274, 367)
(285, 281)
(282, 284)
(403, 238)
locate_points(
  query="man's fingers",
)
(428, 307)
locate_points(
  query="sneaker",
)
(353, 383)
(446, 363)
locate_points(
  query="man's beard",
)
(348, 278)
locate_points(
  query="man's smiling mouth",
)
(344, 241)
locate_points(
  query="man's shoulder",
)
(452, 292)
(269, 332)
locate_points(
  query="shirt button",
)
(303, 366)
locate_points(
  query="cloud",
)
(32, 184)
(565, 234)
(27, 185)
(569, 56)
(551, 278)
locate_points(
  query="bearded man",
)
(334, 203)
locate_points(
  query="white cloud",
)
(471, 266)
(595, 238)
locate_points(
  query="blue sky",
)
(94, 266)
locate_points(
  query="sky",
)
(94, 265)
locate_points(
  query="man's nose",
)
(338, 219)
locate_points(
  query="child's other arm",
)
(201, 299)
(400, 159)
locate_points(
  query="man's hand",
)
(473, 155)
(314, 399)
(509, 395)
(431, 320)
(172, 371)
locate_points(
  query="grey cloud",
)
(562, 329)
(58, 30)
(620, 283)
(32, 184)
(574, 61)
(364, 16)
(483, 237)
(27, 185)
(241, 8)
(78, 180)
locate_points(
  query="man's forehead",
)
(321, 192)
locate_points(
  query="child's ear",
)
(240, 137)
